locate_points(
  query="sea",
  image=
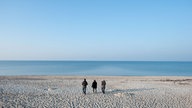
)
(97, 68)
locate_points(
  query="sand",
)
(121, 92)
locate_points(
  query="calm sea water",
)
(112, 68)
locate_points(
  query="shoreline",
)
(46, 77)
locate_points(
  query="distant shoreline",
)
(47, 77)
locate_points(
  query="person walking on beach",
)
(94, 86)
(103, 84)
(84, 84)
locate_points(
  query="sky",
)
(117, 30)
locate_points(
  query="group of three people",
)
(94, 86)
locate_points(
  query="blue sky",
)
(137, 30)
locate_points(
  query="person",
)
(84, 84)
(103, 84)
(94, 86)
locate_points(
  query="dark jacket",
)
(84, 83)
(103, 83)
(94, 84)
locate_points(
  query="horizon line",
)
(105, 60)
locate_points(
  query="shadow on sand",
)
(127, 90)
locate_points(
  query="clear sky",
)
(133, 30)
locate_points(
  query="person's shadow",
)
(127, 90)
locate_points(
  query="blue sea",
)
(106, 68)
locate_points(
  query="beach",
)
(121, 92)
